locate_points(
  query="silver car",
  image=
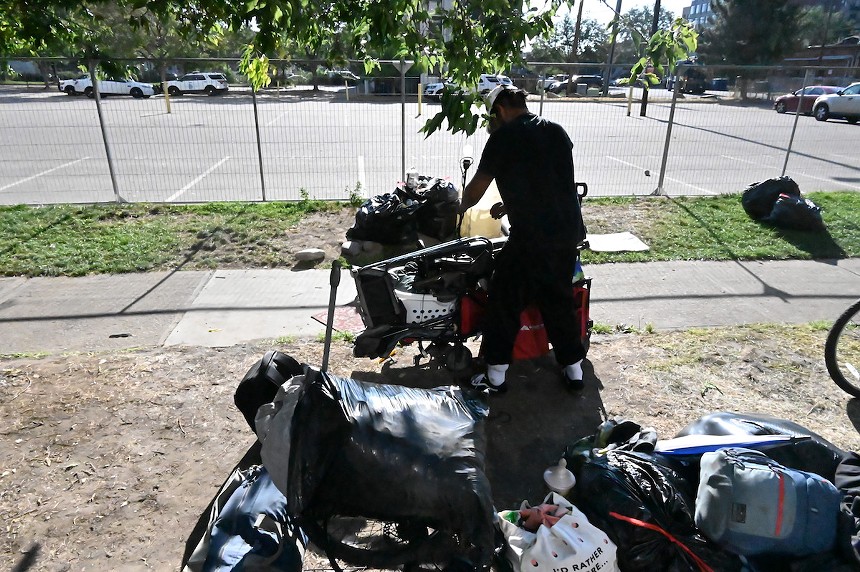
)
(844, 104)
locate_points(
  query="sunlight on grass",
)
(74, 240)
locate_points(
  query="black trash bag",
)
(647, 509)
(440, 203)
(815, 455)
(759, 198)
(388, 452)
(795, 213)
(261, 383)
(387, 219)
(847, 480)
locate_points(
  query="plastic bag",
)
(382, 451)
(440, 200)
(249, 529)
(387, 219)
(646, 508)
(571, 543)
(795, 213)
(759, 198)
(815, 454)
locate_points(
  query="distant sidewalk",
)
(228, 307)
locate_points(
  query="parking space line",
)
(814, 178)
(281, 114)
(678, 181)
(626, 163)
(702, 189)
(199, 178)
(37, 175)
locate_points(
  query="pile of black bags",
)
(430, 208)
(778, 202)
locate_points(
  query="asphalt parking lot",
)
(327, 146)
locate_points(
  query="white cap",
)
(491, 97)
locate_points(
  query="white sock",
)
(496, 373)
(574, 370)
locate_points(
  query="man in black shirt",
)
(530, 158)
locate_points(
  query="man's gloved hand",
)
(498, 210)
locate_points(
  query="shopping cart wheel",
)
(458, 358)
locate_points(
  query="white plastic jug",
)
(477, 221)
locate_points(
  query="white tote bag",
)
(572, 543)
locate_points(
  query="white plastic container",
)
(423, 307)
(559, 479)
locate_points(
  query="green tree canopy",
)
(476, 37)
(751, 32)
(593, 40)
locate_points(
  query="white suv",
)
(130, 87)
(67, 86)
(489, 82)
(844, 103)
(210, 83)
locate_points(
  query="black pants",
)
(526, 274)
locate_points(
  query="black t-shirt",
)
(530, 159)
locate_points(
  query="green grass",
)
(72, 240)
(717, 228)
(77, 240)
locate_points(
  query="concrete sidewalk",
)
(228, 307)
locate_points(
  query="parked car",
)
(434, 90)
(810, 93)
(113, 86)
(67, 86)
(693, 80)
(488, 82)
(589, 80)
(549, 80)
(844, 103)
(210, 83)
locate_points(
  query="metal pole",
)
(542, 90)
(92, 65)
(655, 23)
(794, 126)
(403, 118)
(659, 189)
(333, 280)
(259, 145)
(612, 49)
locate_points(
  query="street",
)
(323, 146)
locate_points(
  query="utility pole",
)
(826, 31)
(609, 59)
(655, 23)
(574, 56)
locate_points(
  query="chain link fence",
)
(335, 133)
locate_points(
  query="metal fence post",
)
(93, 65)
(794, 126)
(259, 144)
(659, 189)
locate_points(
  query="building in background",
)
(699, 11)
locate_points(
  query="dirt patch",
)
(108, 459)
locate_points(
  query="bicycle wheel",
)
(842, 350)
(360, 541)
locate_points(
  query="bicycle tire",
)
(379, 543)
(842, 350)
